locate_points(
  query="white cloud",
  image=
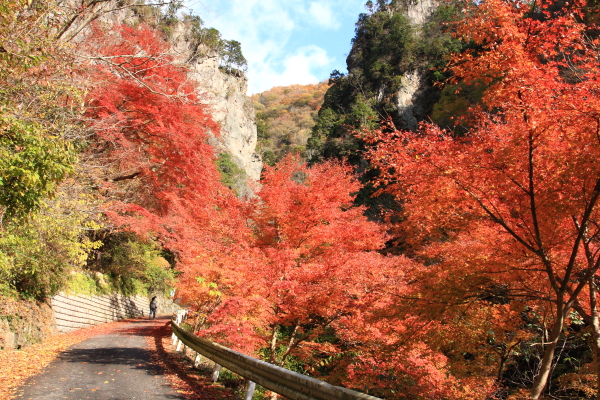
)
(267, 28)
(323, 15)
(297, 68)
(250, 19)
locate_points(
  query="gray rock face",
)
(225, 93)
(418, 11)
(411, 99)
(409, 108)
(233, 109)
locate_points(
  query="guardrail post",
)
(250, 390)
(197, 360)
(179, 346)
(216, 372)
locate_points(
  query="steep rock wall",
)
(418, 11)
(413, 98)
(225, 92)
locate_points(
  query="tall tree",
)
(37, 114)
(320, 253)
(522, 185)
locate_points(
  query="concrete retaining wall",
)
(77, 311)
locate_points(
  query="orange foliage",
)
(512, 203)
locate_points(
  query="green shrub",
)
(37, 254)
(134, 266)
(231, 175)
(81, 282)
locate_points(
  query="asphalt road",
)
(116, 366)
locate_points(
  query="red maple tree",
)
(310, 261)
(513, 201)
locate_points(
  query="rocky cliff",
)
(225, 91)
(413, 98)
(405, 89)
(399, 50)
(417, 11)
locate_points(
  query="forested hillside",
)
(395, 67)
(478, 279)
(285, 117)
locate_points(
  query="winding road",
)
(115, 366)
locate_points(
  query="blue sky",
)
(285, 41)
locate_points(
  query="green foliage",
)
(454, 103)
(385, 48)
(134, 266)
(36, 115)
(32, 162)
(269, 158)
(231, 56)
(292, 363)
(159, 276)
(262, 128)
(82, 282)
(231, 175)
(435, 45)
(36, 255)
(210, 37)
(43, 229)
(333, 135)
(203, 39)
(232, 60)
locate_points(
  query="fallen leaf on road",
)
(16, 366)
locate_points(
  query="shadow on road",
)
(135, 357)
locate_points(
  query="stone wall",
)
(76, 311)
(24, 322)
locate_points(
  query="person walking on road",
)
(153, 307)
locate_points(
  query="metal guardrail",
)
(287, 383)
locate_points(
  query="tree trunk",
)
(273, 348)
(595, 322)
(273, 355)
(292, 343)
(546, 366)
(81, 19)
